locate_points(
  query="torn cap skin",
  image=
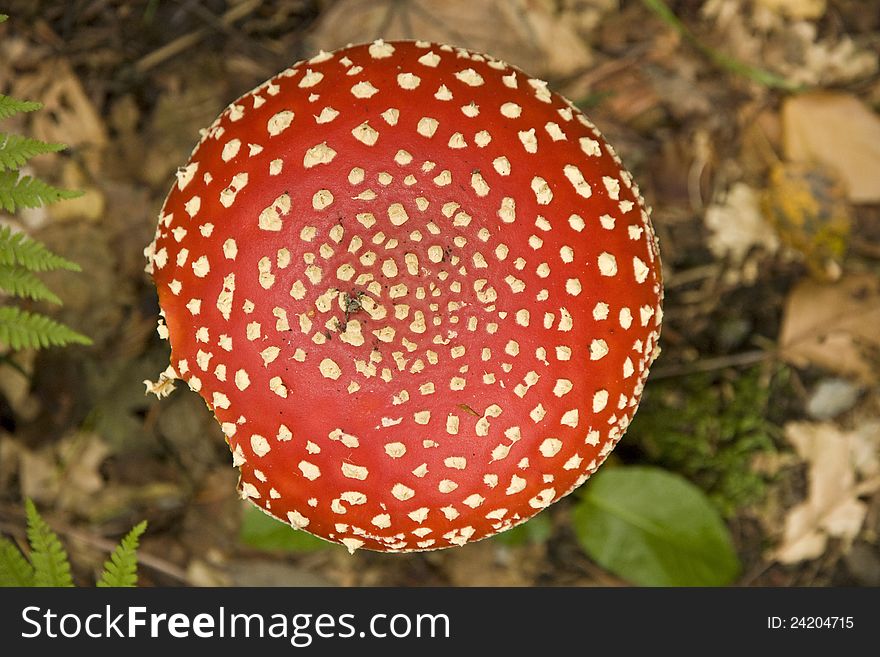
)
(416, 288)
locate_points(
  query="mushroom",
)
(416, 288)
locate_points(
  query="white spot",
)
(550, 447)
(354, 471)
(320, 154)
(607, 264)
(260, 445)
(402, 492)
(470, 77)
(327, 115)
(511, 110)
(230, 150)
(270, 217)
(576, 178)
(279, 122)
(570, 418)
(363, 90)
(310, 79)
(365, 134)
(408, 81)
(590, 147)
(380, 50)
(543, 193)
(598, 349)
(201, 267)
(640, 269)
(185, 175)
(427, 126)
(502, 165)
(322, 199)
(529, 140)
(329, 369)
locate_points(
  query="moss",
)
(709, 427)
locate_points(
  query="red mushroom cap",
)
(416, 288)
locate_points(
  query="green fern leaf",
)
(15, 150)
(11, 106)
(51, 567)
(20, 329)
(121, 568)
(3, 18)
(29, 192)
(19, 249)
(23, 283)
(14, 568)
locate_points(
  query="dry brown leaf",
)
(834, 326)
(801, 9)
(793, 48)
(838, 131)
(65, 474)
(832, 507)
(521, 32)
(68, 115)
(737, 225)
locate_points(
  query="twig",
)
(151, 561)
(711, 364)
(187, 41)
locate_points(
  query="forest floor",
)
(752, 127)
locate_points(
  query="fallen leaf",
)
(806, 204)
(794, 49)
(838, 131)
(521, 32)
(799, 9)
(737, 225)
(68, 115)
(832, 507)
(834, 326)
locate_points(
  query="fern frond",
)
(16, 150)
(20, 329)
(14, 568)
(121, 568)
(29, 192)
(19, 249)
(20, 282)
(10, 106)
(3, 18)
(51, 567)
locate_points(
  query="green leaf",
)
(262, 531)
(11, 106)
(29, 192)
(20, 329)
(23, 283)
(14, 568)
(654, 528)
(51, 567)
(16, 150)
(3, 18)
(121, 568)
(19, 249)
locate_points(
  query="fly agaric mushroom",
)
(416, 288)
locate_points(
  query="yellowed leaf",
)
(838, 131)
(832, 507)
(834, 326)
(802, 9)
(522, 32)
